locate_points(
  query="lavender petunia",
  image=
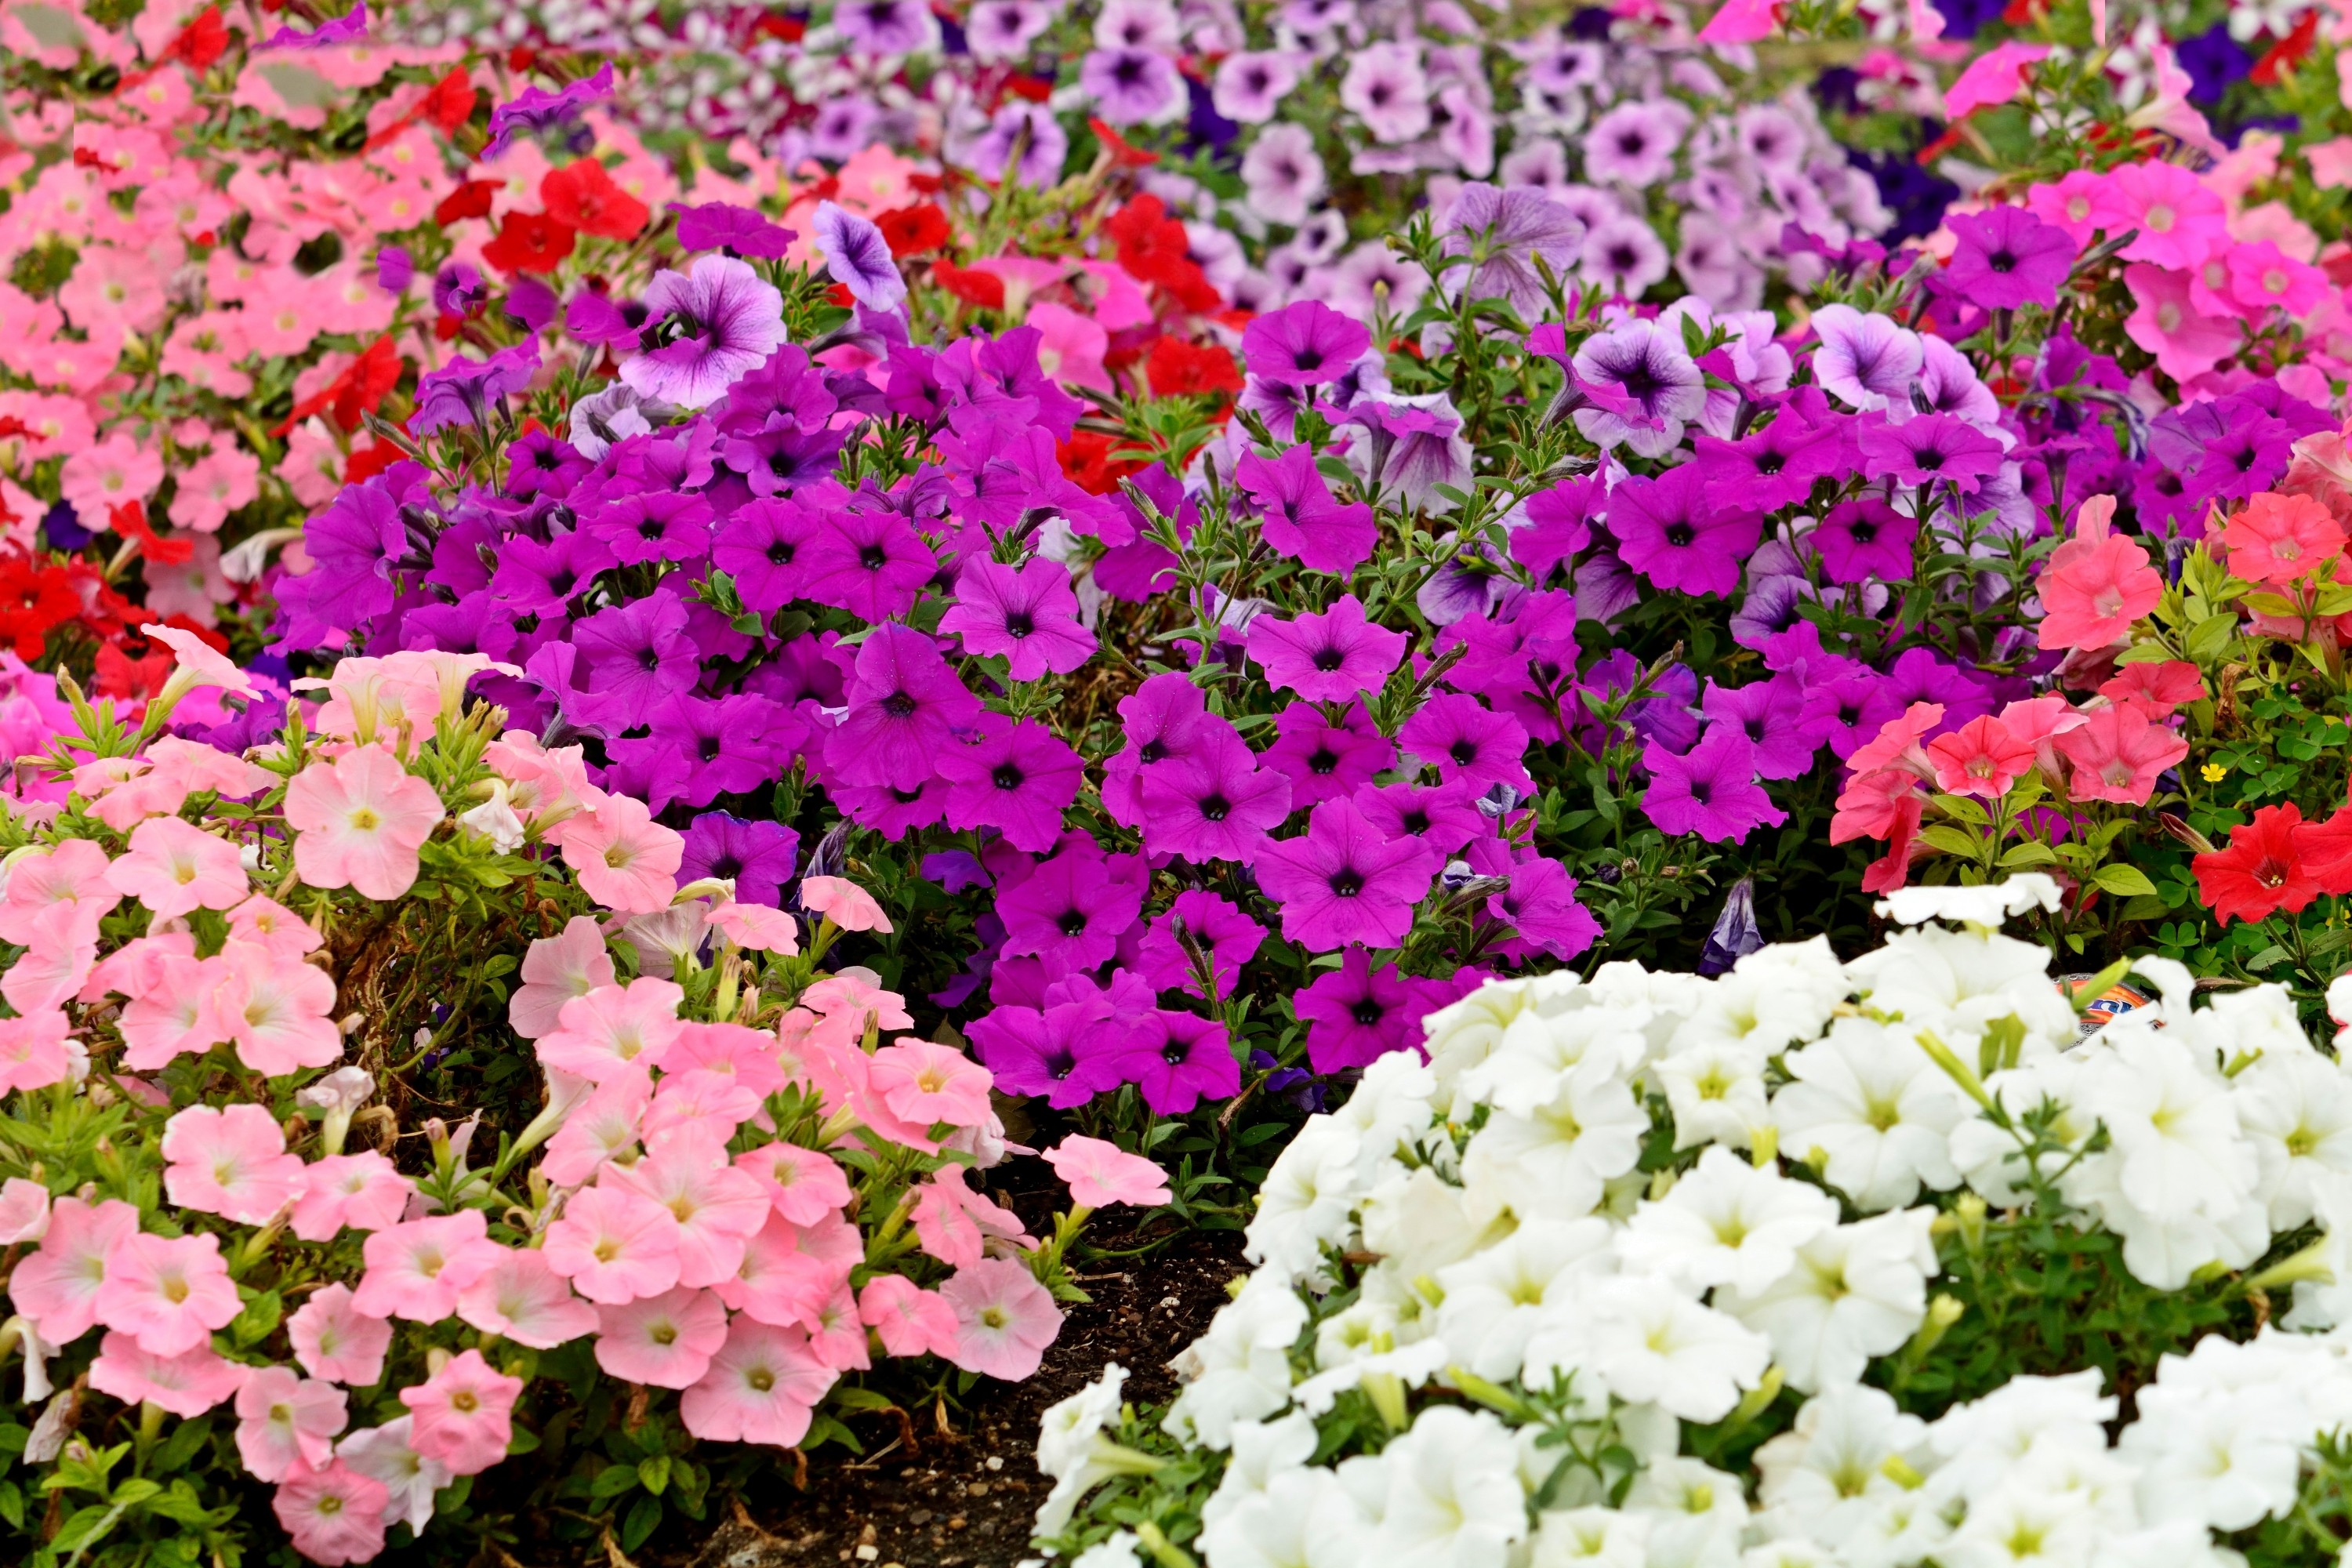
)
(536, 109)
(1503, 233)
(710, 326)
(1132, 87)
(858, 257)
(461, 392)
(1864, 360)
(886, 26)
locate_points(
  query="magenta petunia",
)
(1445, 816)
(1866, 540)
(1305, 343)
(1198, 930)
(1540, 904)
(1325, 760)
(870, 562)
(1326, 658)
(761, 548)
(1214, 803)
(1301, 518)
(1074, 910)
(1028, 614)
(1710, 791)
(1467, 742)
(1668, 531)
(1343, 880)
(2005, 257)
(1017, 778)
(1930, 447)
(1354, 1013)
(1176, 1060)
(903, 702)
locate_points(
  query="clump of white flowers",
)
(1650, 1269)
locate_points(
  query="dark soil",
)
(966, 1500)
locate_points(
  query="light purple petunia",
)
(461, 392)
(1634, 144)
(1864, 362)
(1032, 127)
(1625, 256)
(886, 26)
(1250, 88)
(1000, 30)
(711, 325)
(1503, 233)
(858, 257)
(1387, 89)
(1643, 385)
(1132, 87)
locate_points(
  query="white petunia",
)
(1240, 1370)
(1726, 1223)
(1696, 1514)
(2297, 1107)
(1857, 1292)
(1878, 1106)
(2021, 1526)
(1454, 1499)
(1824, 1476)
(1715, 1090)
(1980, 1440)
(1986, 905)
(1555, 1161)
(1537, 1052)
(1590, 1538)
(1263, 1452)
(1306, 1201)
(1958, 981)
(2174, 1127)
(1495, 1300)
(1463, 1034)
(1302, 1519)
(1067, 1433)
(1652, 1344)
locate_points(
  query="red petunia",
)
(1122, 152)
(583, 196)
(130, 519)
(201, 42)
(911, 230)
(451, 103)
(34, 598)
(1155, 248)
(127, 677)
(2263, 870)
(366, 462)
(1087, 459)
(471, 199)
(1177, 368)
(529, 242)
(971, 285)
(359, 390)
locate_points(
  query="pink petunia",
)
(807, 1185)
(614, 1246)
(662, 1342)
(717, 1208)
(416, 1269)
(843, 902)
(523, 1298)
(175, 867)
(186, 1384)
(602, 1127)
(335, 1515)
(613, 1029)
(952, 1223)
(836, 1333)
(383, 1454)
(464, 1414)
(231, 1162)
(359, 822)
(2166, 322)
(2278, 539)
(2097, 583)
(1099, 1174)
(2117, 754)
(167, 1292)
(48, 974)
(277, 1014)
(910, 1320)
(24, 1210)
(626, 861)
(757, 927)
(556, 970)
(764, 1387)
(57, 1286)
(171, 1014)
(928, 1083)
(64, 891)
(782, 1282)
(333, 1339)
(1004, 1319)
(285, 1420)
(360, 1191)
(33, 1051)
(1980, 758)
(266, 924)
(2039, 722)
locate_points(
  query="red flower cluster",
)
(2278, 861)
(1154, 249)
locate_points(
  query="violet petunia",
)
(1354, 1013)
(870, 562)
(1710, 791)
(760, 547)
(858, 257)
(1074, 909)
(1327, 760)
(1301, 518)
(1176, 1060)
(1468, 742)
(536, 109)
(1029, 614)
(904, 703)
(1540, 904)
(758, 857)
(1503, 233)
(1669, 532)
(1772, 715)
(705, 328)
(716, 225)
(2004, 256)
(461, 392)
(1326, 658)
(1305, 343)
(1199, 930)
(1214, 803)
(1018, 778)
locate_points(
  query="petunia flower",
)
(2279, 539)
(1328, 656)
(843, 902)
(1711, 791)
(1029, 614)
(463, 1413)
(2261, 870)
(764, 1387)
(2097, 583)
(1980, 758)
(1866, 361)
(56, 1286)
(416, 1269)
(334, 1340)
(614, 1246)
(359, 822)
(661, 1342)
(1305, 343)
(333, 1514)
(1099, 1174)
(1344, 881)
(858, 257)
(1668, 531)
(186, 1384)
(705, 328)
(625, 861)
(169, 1293)
(2004, 258)
(1213, 803)
(903, 704)
(231, 1162)
(2118, 754)
(1018, 778)
(1300, 517)
(286, 1421)
(1004, 1319)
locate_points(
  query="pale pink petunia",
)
(544, 786)
(780, 1282)
(757, 927)
(173, 866)
(662, 1342)
(717, 1207)
(334, 1514)
(843, 902)
(63, 891)
(167, 1292)
(197, 662)
(368, 698)
(172, 1015)
(928, 1083)
(558, 969)
(231, 1162)
(700, 1107)
(953, 1223)
(48, 974)
(910, 1320)
(416, 1269)
(1004, 1319)
(214, 485)
(626, 861)
(763, 1385)
(285, 1420)
(383, 1454)
(359, 822)
(613, 1028)
(334, 1340)
(463, 1413)
(186, 1384)
(523, 1298)
(24, 1210)
(746, 1055)
(602, 1127)
(33, 1051)
(614, 1246)
(362, 1192)
(837, 1334)
(808, 1186)
(136, 967)
(266, 924)
(1100, 1174)
(57, 1286)
(277, 1014)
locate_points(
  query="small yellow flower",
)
(2214, 773)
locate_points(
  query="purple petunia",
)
(536, 109)
(1866, 361)
(638, 657)
(1067, 1054)
(1710, 791)
(870, 562)
(886, 26)
(1444, 816)
(709, 327)
(1866, 540)
(1932, 447)
(1354, 1013)
(1641, 385)
(1213, 803)
(461, 392)
(1668, 531)
(1300, 517)
(904, 703)
(1540, 904)
(1028, 614)
(1199, 928)
(1132, 87)
(1469, 743)
(760, 548)
(1344, 882)
(1772, 715)
(2005, 257)
(716, 225)
(1773, 466)
(1504, 232)
(658, 525)
(1305, 343)
(1017, 778)
(1325, 760)
(758, 857)
(1072, 910)
(1326, 658)
(858, 257)
(1176, 1060)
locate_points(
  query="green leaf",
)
(1966, 810)
(2033, 852)
(855, 1398)
(645, 1516)
(2209, 638)
(614, 1480)
(258, 1320)
(654, 1473)
(136, 1490)
(1953, 840)
(2124, 881)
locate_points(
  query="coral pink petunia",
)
(1980, 758)
(2097, 583)
(762, 1387)
(1100, 1174)
(285, 1420)
(231, 1162)
(167, 1292)
(359, 822)
(522, 1298)
(57, 1286)
(2117, 753)
(1004, 1319)
(614, 1246)
(175, 867)
(333, 1339)
(2278, 539)
(463, 1413)
(334, 1515)
(662, 1342)
(626, 861)
(416, 1269)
